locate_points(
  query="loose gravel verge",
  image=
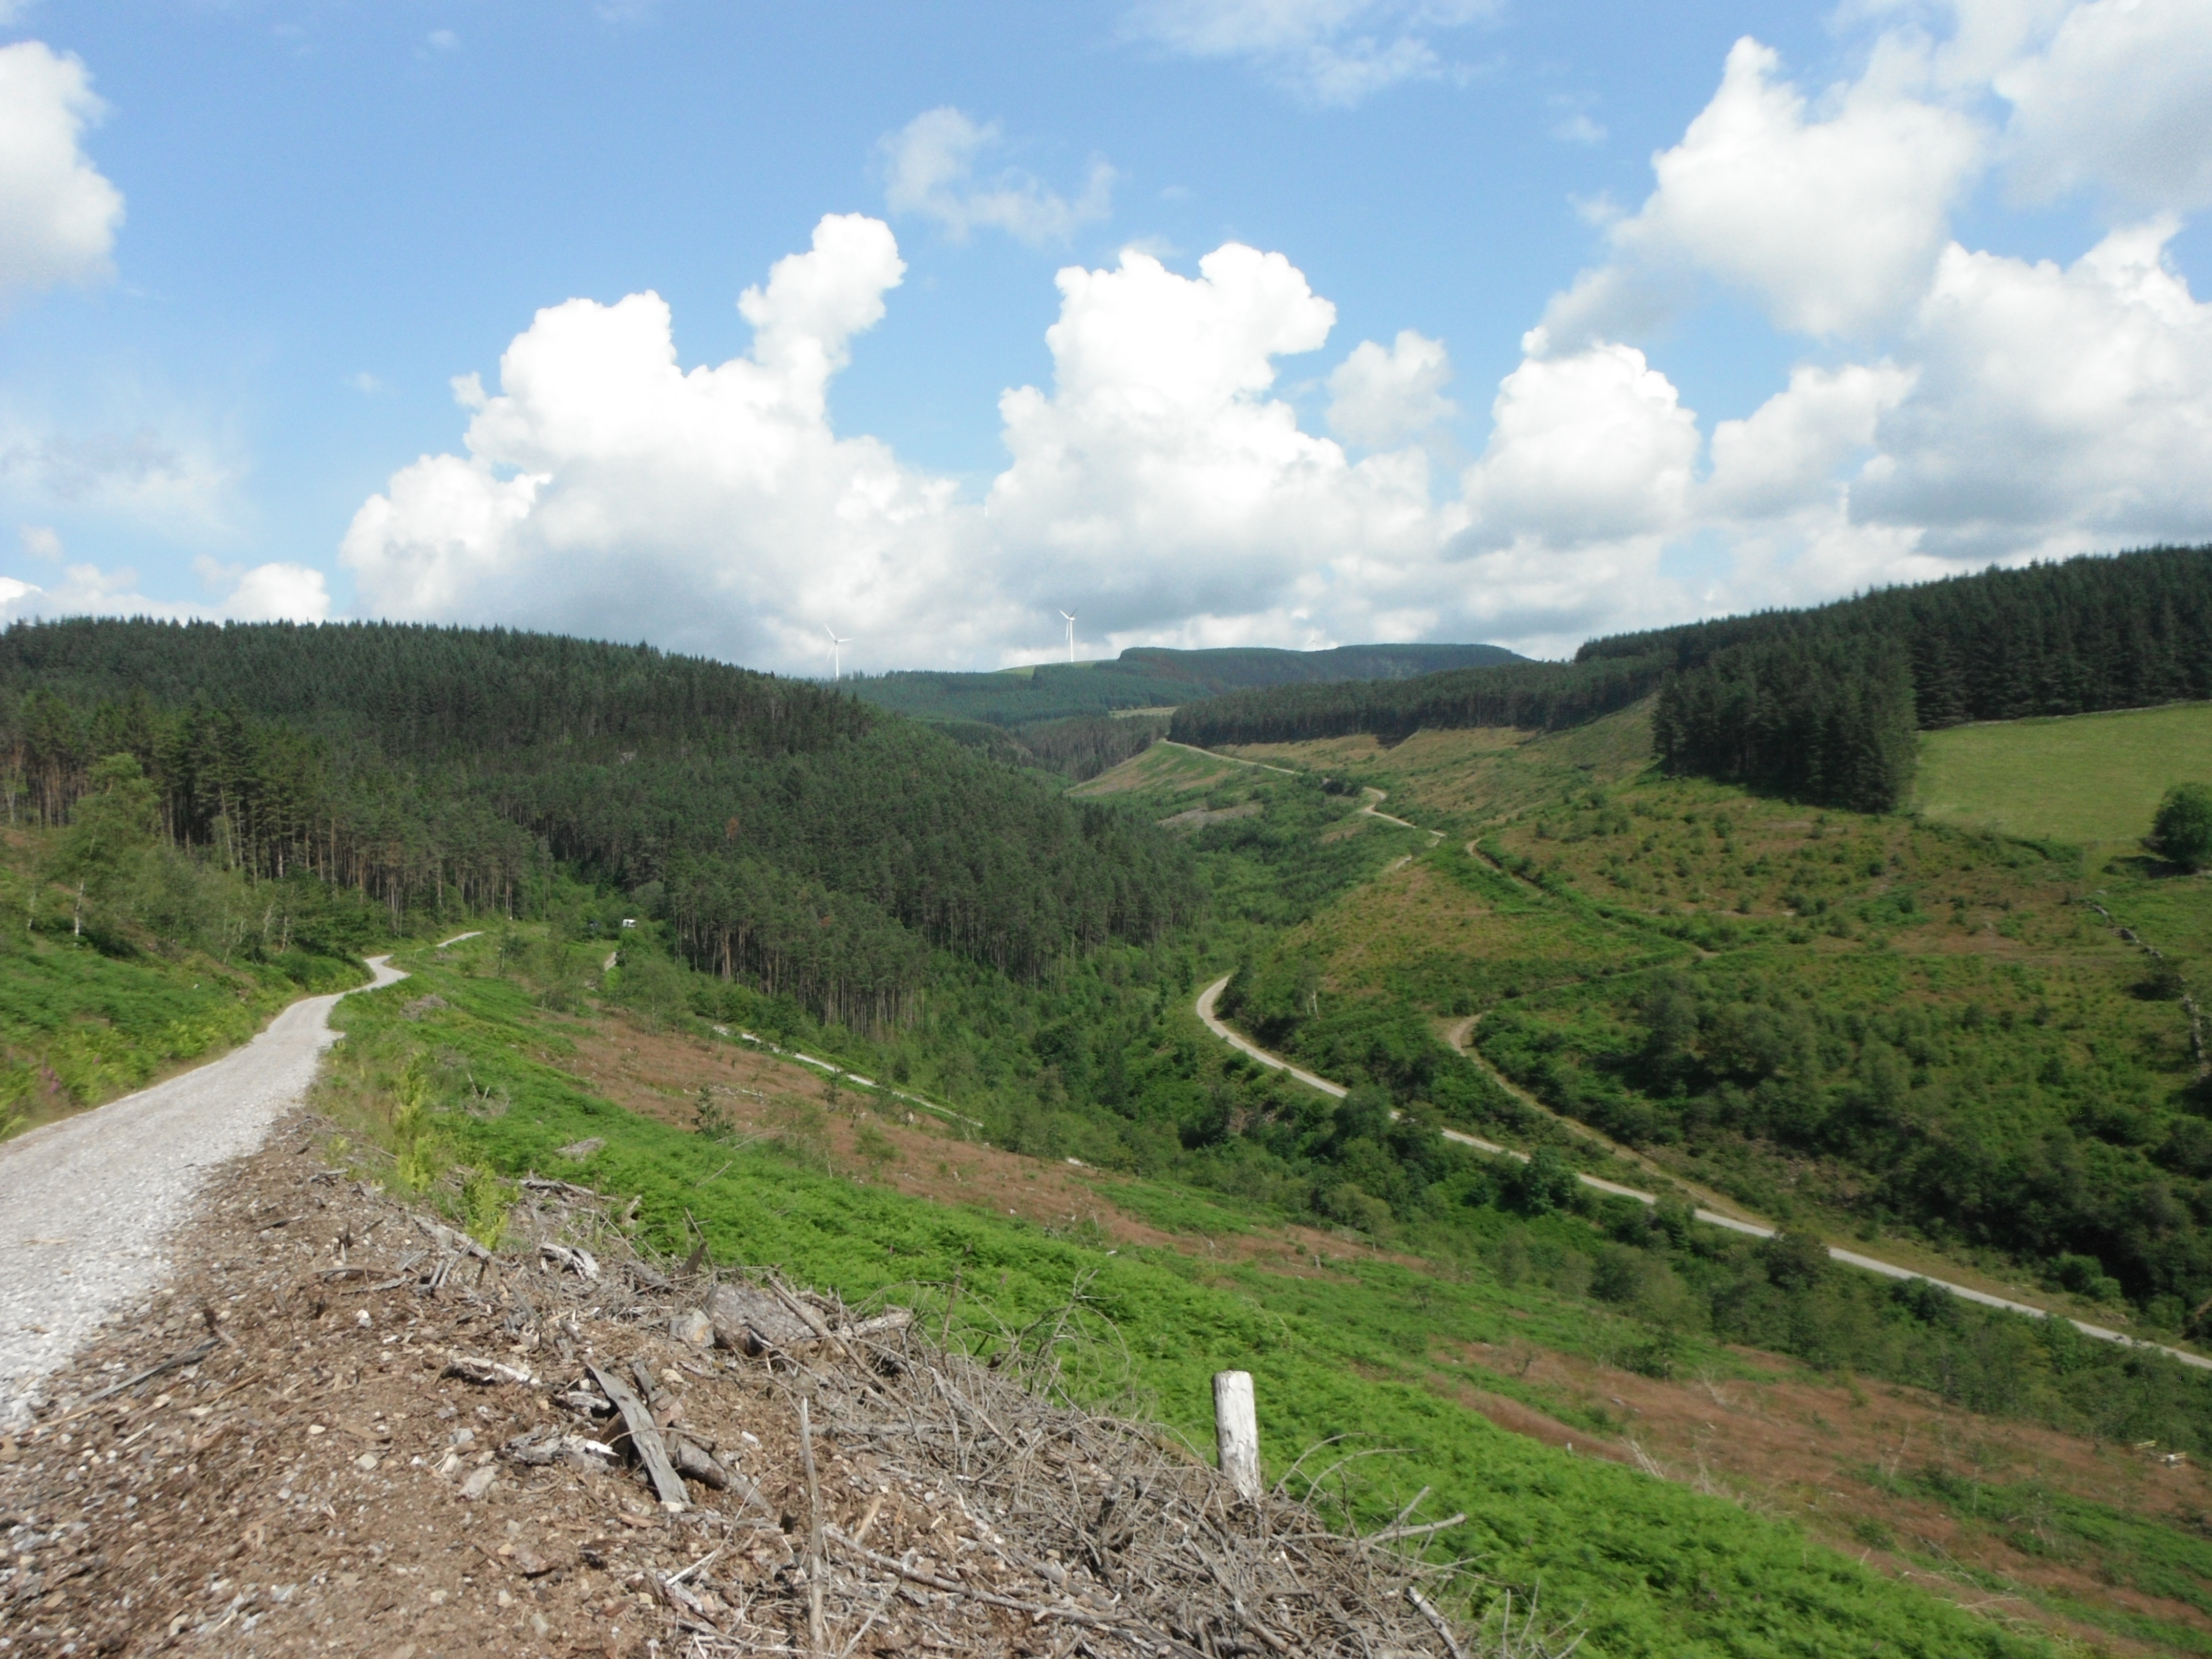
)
(89, 1206)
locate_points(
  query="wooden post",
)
(1237, 1432)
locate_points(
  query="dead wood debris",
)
(516, 1451)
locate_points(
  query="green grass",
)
(2088, 778)
(84, 1018)
(81, 1028)
(1654, 1568)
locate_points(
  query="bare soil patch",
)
(1831, 1455)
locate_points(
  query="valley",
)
(1591, 1055)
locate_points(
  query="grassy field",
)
(87, 1016)
(2093, 779)
(1462, 779)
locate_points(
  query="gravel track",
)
(88, 1206)
(1207, 1012)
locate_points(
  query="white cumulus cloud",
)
(2000, 409)
(608, 490)
(1158, 486)
(1829, 213)
(1589, 447)
(58, 215)
(1964, 406)
(1379, 396)
(929, 170)
(1793, 449)
(2054, 407)
(266, 592)
(1160, 475)
(2116, 101)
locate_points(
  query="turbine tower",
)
(836, 647)
(1070, 614)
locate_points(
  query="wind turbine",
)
(836, 646)
(1070, 614)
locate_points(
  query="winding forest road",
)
(87, 1205)
(1210, 996)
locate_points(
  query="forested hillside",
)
(1536, 697)
(1992, 1046)
(1820, 704)
(1852, 1024)
(799, 839)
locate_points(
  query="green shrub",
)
(2182, 831)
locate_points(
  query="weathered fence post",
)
(1237, 1432)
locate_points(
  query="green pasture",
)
(2087, 778)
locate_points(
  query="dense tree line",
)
(1080, 748)
(1823, 703)
(427, 690)
(266, 800)
(797, 838)
(1534, 696)
(1821, 719)
(973, 857)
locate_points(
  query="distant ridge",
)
(1823, 703)
(1229, 667)
(1152, 677)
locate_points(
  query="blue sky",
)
(1216, 322)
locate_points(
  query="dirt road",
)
(87, 1204)
(1206, 1010)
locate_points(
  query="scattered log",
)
(1422, 1531)
(175, 1362)
(549, 1444)
(447, 1239)
(566, 1188)
(644, 1437)
(695, 1461)
(883, 1324)
(1436, 1621)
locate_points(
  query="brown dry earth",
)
(1787, 1443)
(289, 1451)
